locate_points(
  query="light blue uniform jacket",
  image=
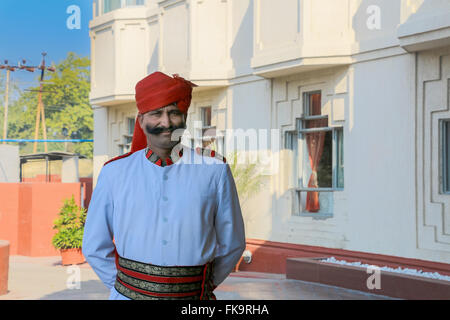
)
(184, 214)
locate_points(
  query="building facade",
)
(355, 92)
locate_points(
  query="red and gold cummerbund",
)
(143, 281)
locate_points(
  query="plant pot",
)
(72, 256)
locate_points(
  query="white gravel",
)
(413, 272)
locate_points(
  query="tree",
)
(13, 90)
(66, 101)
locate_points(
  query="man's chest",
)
(192, 192)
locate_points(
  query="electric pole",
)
(21, 66)
(41, 109)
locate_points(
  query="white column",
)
(100, 140)
(69, 172)
(9, 163)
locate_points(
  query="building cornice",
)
(112, 99)
(425, 31)
(127, 13)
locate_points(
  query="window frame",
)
(219, 137)
(302, 142)
(295, 140)
(445, 155)
(123, 4)
(125, 147)
(202, 117)
(105, 6)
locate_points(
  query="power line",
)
(22, 65)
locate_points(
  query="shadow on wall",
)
(242, 49)
(381, 96)
(153, 65)
(3, 176)
(375, 19)
(425, 9)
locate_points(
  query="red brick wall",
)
(27, 212)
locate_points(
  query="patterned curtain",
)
(315, 143)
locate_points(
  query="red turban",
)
(156, 91)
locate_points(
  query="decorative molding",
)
(103, 28)
(153, 19)
(166, 4)
(429, 31)
(433, 207)
(112, 99)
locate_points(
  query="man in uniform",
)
(164, 221)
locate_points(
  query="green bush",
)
(247, 179)
(70, 226)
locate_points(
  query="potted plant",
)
(70, 227)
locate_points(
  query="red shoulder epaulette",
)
(210, 153)
(117, 158)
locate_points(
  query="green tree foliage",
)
(66, 101)
(70, 226)
(13, 90)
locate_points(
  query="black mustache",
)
(158, 130)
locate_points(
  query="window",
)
(445, 128)
(110, 5)
(211, 139)
(128, 137)
(135, 2)
(318, 157)
(206, 116)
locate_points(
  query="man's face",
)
(158, 125)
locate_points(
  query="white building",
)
(373, 74)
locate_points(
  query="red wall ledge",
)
(270, 257)
(390, 284)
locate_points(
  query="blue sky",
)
(30, 27)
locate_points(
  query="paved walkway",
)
(46, 279)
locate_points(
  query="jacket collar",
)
(153, 157)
